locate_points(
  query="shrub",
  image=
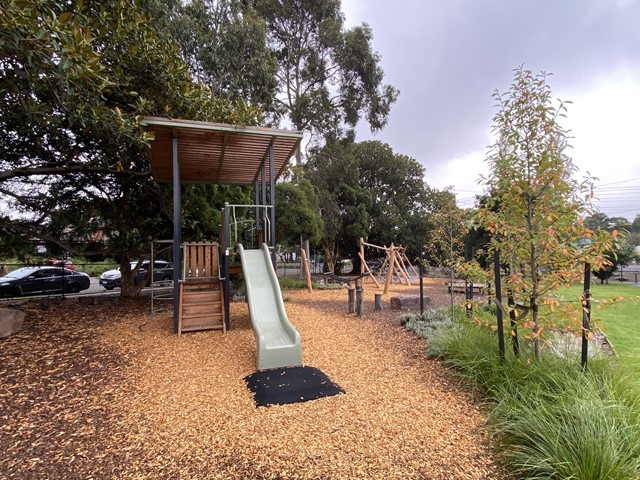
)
(426, 324)
(552, 420)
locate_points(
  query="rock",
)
(408, 302)
(10, 321)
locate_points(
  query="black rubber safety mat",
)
(281, 386)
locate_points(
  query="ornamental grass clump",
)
(552, 420)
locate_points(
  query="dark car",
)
(39, 280)
(162, 271)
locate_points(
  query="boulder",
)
(10, 321)
(408, 302)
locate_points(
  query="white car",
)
(162, 271)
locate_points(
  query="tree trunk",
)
(357, 263)
(304, 245)
(128, 288)
(330, 250)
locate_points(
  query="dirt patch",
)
(109, 392)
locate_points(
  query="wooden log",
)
(408, 302)
(368, 270)
(402, 269)
(392, 261)
(359, 301)
(305, 265)
(352, 299)
(378, 302)
(404, 255)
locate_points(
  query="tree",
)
(367, 190)
(446, 247)
(334, 171)
(223, 43)
(297, 213)
(399, 210)
(328, 75)
(622, 254)
(75, 80)
(533, 211)
(601, 220)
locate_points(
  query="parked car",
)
(68, 264)
(162, 271)
(38, 280)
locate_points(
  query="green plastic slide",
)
(278, 341)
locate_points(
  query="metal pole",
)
(586, 315)
(272, 197)
(263, 223)
(421, 285)
(177, 234)
(496, 272)
(256, 201)
(226, 265)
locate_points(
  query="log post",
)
(305, 266)
(392, 260)
(378, 302)
(352, 299)
(359, 300)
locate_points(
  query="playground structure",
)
(278, 341)
(204, 152)
(394, 265)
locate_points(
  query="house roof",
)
(216, 152)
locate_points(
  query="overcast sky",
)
(447, 57)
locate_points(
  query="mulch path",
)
(107, 391)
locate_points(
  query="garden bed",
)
(107, 391)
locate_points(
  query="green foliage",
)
(601, 220)
(297, 213)
(552, 421)
(75, 80)
(450, 225)
(428, 323)
(366, 190)
(223, 43)
(534, 206)
(621, 254)
(328, 75)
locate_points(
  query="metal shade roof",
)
(216, 152)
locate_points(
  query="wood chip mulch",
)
(107, 391)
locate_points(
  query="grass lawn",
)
(620, 321)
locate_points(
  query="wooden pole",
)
(362, 263)
(404, 255)
(401, 267)
(359, 300)
(368, 270)
(392, 260)
(378, 302)
(352, 300)
(305, 265)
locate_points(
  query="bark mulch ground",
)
(107, 391)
